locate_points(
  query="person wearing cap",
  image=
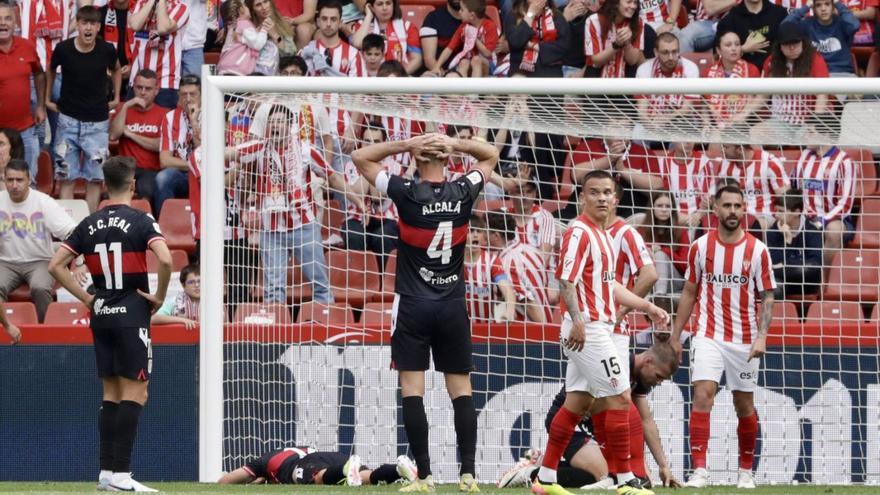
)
(831, 28)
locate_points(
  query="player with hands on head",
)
(729, 265)
(430, 309)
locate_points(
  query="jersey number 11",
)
(112, 279)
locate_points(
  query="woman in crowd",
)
(731, 110)
(669, 242)
(402, 42)
(281, 35)
(614, 39)
(539, 38)
(11, 147)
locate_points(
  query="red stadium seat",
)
(45, 173)
(179, 259)
(416, 13)
(378, 314)
(873, 69)
(67, 313)
(868, 228)
(300, 286)
(176, 224)
(783, 312)
(262, 314)
(827, 312)
(21, 313)
(863, 160)
(854, 276)
(138, 204)
(333, 220)
(875, 314)
(211, 58)
(354, 276)
(333, 314)
(704, 60)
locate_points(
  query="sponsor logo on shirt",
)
(726, 279)
(101, 310)
(143, 128)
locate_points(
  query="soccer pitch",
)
(193, 488)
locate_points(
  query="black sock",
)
(570, 477)
(126, 431)
(386, 473)
(107, 434)
(466, 432)
(415, 422)
(333, 475)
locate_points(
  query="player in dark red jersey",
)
(430, 311)
(307, 466)
(114, 242)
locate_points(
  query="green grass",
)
(193, 488)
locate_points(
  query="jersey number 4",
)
(112, 279)
(441, 244)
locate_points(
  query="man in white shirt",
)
(29, 220)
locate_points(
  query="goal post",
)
(517, 352)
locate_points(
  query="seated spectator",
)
(281, 36)
(436, 31)
(792, 56)
(795, 246)
(183, 308)
(475, 41)
(732, 111)
(758, 173)
(866, 12)
(11, 148)
(757, 23)
(402, 41)
(328, 54)
(156, 27)
(243, 43)
(292, 66)
(535, 225)
(303, 21)
(614, 39)
(538, 37)
(137, 125)
(373, 53)
(487, 285)
(687, 173)
(831, 29)
(26, 243)
(175, 145)
(668, 241)
(659, 113)
(699, 34)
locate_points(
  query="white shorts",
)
(621, 342)
(597, 369)
(710, 358)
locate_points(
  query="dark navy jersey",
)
(433, 222)
(279, 466)
(114, 243)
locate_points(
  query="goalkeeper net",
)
(299, 261)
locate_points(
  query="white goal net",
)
(298, 255)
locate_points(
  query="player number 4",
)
(441, 244)
(112, 279)
(612, 367)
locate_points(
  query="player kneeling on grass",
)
(584, 462)
(307, 466)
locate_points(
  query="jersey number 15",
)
(112, 279)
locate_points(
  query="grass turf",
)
(197, 488)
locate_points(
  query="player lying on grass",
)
(584, 462)
(307, 466)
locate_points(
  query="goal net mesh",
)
(309, 269)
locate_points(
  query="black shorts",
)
(123, 351)
(578, 440)
(421, 326)
(313, 463)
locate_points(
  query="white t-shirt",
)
(196, 29)
(27, 228)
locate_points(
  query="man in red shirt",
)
(19, 60)
(136, 126)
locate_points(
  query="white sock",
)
(624, 477)
(546, 475)
(105, 474)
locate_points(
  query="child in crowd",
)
(243, 40)
(477, 36)
(373, 52)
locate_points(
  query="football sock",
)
(699, 430)
(561, 430)
(466, 432)
(747, 433)
(415, 422)
(333, 475)
(126, 431)
(636, 443)
(570, 477)
(107, 431)
(386, 473)
(598, 421)
(617, 432)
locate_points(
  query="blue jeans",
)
(305, 242)
(80, 148)
(170, 183)
(698, 36)
(51, 117)
(191, 61)
(31, 150)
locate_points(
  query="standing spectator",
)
(300, 14)
(83, 112)
(193, 38)
(731, 110)
(614, 38)
(659, 113)
(436, 31)
(831, 28)
(373, 53)
(576, 13)
(137, 126)
(183, 308)
(757, 22)
(176, 144)
(687, 174)
(475, 41)
(538, 37)
(866, 12)
(156, 28)
(698, 35)
(26, 243)
(114, 30)
(11, 148)
(401, 36)
(795, 248)
(20, 63)
(485, 279)
(669, 243)
(243, 40)
(760, 176)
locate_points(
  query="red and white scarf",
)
(544, 30)
(726, 106)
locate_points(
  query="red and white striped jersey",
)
(525, 265)
(46, 23)
(759, 180)
(159, 52)
(595, 43)
(402, 39)
(703, 15)
(587, 260)
(176, 134)
(481, 277)
(377, 207)
(343, 58)
(688, 181)
(632, 254)
(828, 183)
(539, 229)
(400, 129)
(663, 104)
(729, 278)
(654, 12)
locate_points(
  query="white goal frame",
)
(212, 184)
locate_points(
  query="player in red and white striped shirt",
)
(760, 176)
(727, 269)
(687, 174)
(594, 381)
(157, 27)
(485, 278)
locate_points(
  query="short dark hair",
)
(279, 108)
(597, 174)
(391, 68)
(664, 354)
(618, 190)
(118, 173)
(19, 165)
(729, 188)
(476, 6)
(147, 74)
(328, 4)
(478, 222)
(501, 223)
(453, 130)
(373, 40)
(88, 13)
(187, 271)
(16, 144)
(791, 200)
(373, 126)
(191, 80)
(722, 33)
(288, 60)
